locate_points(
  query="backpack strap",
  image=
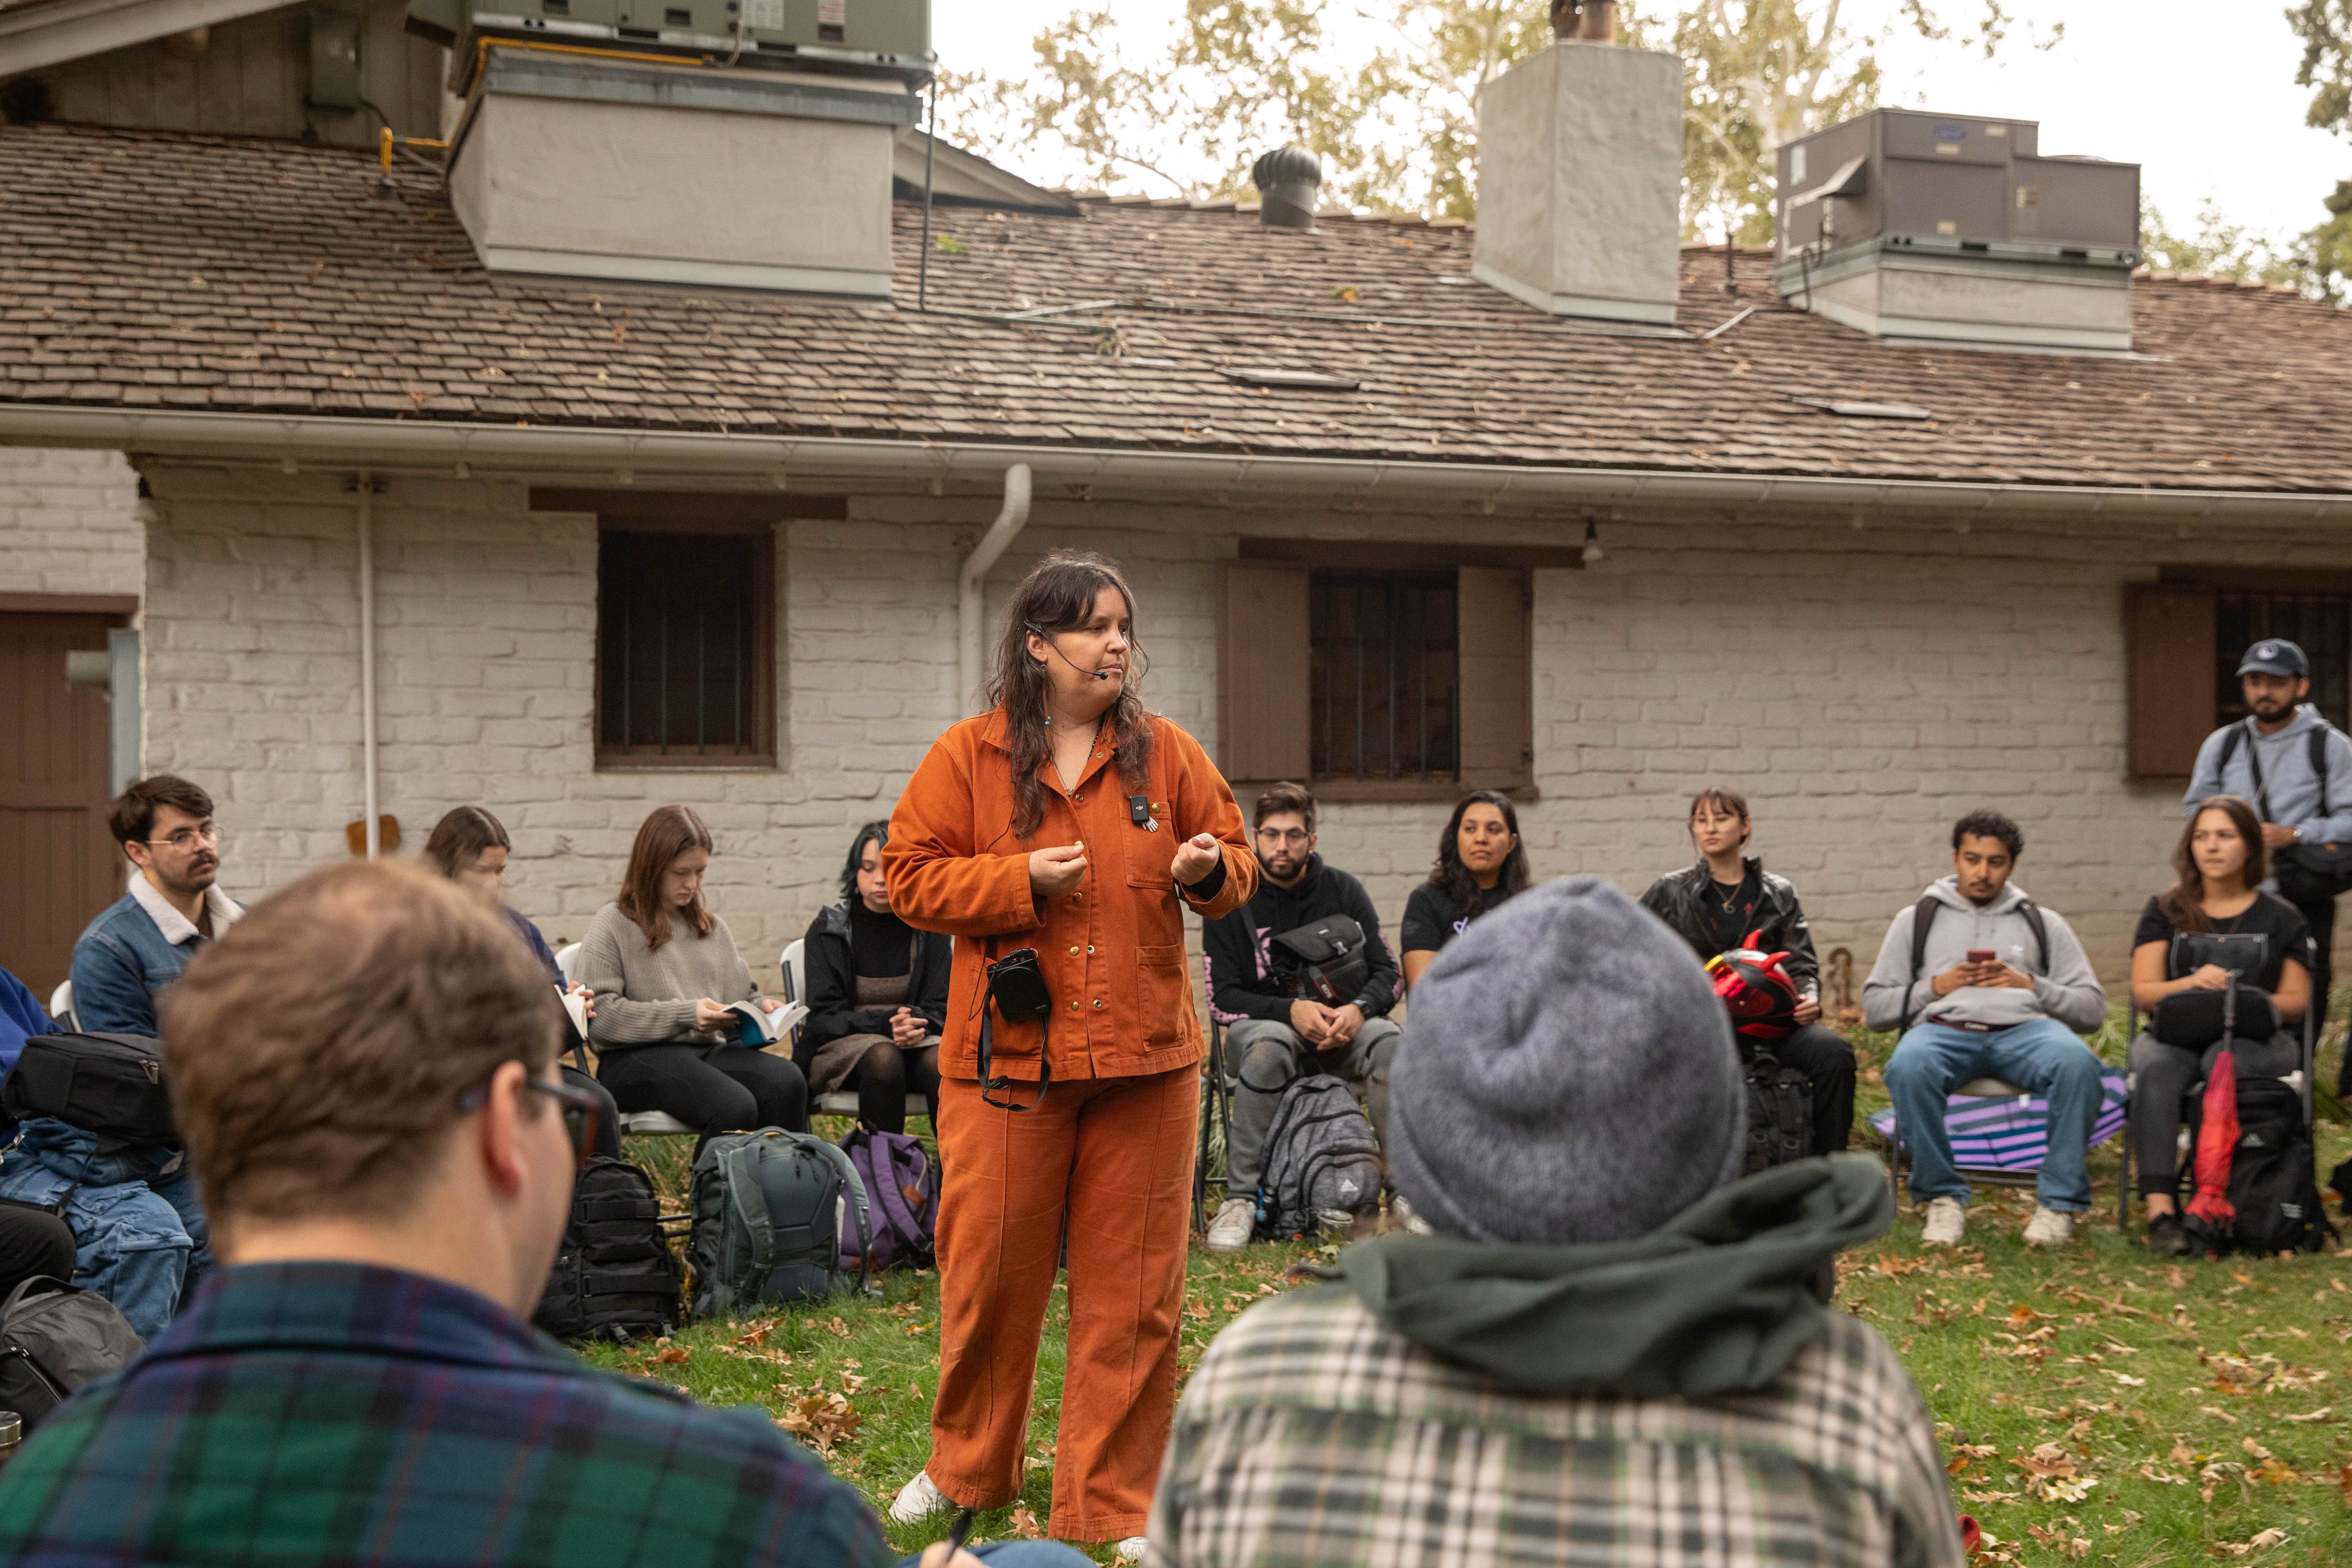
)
(2254, 766)
(1923, 916)
(2041, 930)
(741, 1168)
(2319, 762)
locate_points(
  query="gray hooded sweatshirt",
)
(2066, 990)
(2293, 789)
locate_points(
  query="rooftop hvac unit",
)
(887, 38)
(1943, 227)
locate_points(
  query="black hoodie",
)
(833, 986)
(1241, 981)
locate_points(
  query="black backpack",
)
(615, 1278)
(1320, 1155)
(1779, 1113)
(109, 1085)
(2273, 1182)
(771, 1209)
(57, 1339)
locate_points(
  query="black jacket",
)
(1241, 984)
(1779, 919)
(833, 986)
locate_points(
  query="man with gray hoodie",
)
(1611, 1350)
(2297, 770)
(1996, 986)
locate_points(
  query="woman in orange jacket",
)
(1069, 821)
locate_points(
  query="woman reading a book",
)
(674, 998)
(469, 847)
(877, 996)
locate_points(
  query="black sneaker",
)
(2166, 1237)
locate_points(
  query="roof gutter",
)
(697, 456)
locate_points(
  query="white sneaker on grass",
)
(919, 1499)
(2048, 1228)
(1131, 1549)
(1947, 1218)
(1236, 1223)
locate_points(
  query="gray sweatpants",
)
(1267, 1056)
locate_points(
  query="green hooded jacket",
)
(1716, 1300)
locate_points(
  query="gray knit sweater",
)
(645, 996)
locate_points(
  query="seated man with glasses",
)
(1278, 1026)
(132, 953)
(364, 1071)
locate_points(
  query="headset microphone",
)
(1048, 639)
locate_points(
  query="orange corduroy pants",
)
(1112, 1159)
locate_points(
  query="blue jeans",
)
(2043, 1056)
(1019, 1555)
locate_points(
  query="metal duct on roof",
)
(1286, 180)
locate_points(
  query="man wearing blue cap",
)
(2296, 768)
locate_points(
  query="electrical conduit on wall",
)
(365, 489)
(970, 585)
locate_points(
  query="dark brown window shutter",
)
(1497, 679)
(1262, 670)
(2168, 684)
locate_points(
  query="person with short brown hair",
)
(665, 968)
(363, 1070)
(130, 955)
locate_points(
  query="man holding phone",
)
(1984, 983)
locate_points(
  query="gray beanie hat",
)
(1566, 1075)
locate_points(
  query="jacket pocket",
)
(1163, 994)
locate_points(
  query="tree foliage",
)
(2325, 253)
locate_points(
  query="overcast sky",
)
(2207, 109)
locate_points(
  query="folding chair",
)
(61, 1007)
(1216, 1109)
(2299, 1080)
(634, 1123)
(841, 1101)
(1998, 1140)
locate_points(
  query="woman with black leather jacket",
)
(1727, 902)
(877, 996)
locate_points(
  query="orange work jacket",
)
(1112, 949)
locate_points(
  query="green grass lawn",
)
(2095, 1403)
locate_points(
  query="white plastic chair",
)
(795, 965)
(567, 959)
(61, 1007)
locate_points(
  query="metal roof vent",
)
(1942, 228)
(1286, 180)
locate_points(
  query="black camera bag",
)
(109, 1085)
(1325, 959)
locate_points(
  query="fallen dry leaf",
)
(1024, 1523)
(821, 1420)
(839, 1327)
(2319, 1415)
(674, 1354)
(2272, 1537)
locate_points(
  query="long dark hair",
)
(2183, 903)
(669, 832)
(1462, 889)
(1059, 595)
(872, 833)
(461, 835)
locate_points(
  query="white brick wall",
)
(1863, 687)
(65, 522)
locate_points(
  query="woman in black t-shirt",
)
(2212, 922)
(1480, 863)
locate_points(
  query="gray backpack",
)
(1320, 1157)
(57, 1339)
(767, 1209)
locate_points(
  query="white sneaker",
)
(2048, 1228)
(919, 1499)
(1236, 1223)
(1131, 1549)
(1947, 1217)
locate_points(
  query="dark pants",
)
(1821, 1054)
(33, 1242)
(2162, 1076)
(606, 1141)
(2321, 914)
(730, 1089)
(886, 1074)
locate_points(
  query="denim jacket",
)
(124, 961)
(140, 1235)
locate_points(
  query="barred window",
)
(1382, 680)
(2185, 633)
(2319, 624)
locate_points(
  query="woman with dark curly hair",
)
(1480, 863)
(877, 996)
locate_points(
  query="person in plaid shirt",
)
(1605, 1347)
(363, 1070)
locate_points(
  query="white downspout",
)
(969, 587)
(367, 660)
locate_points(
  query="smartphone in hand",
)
(1982, 955)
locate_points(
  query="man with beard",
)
(2297, 770)
(1273, 1032)
(130, 954)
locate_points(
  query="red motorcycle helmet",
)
(1757, 992)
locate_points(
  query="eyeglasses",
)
(187, 839)
(578, 1106)
(1296, 836)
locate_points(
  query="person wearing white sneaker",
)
(2049, 1227)
(1947, 1218)
(1981, 982)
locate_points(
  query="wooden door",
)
(62, 867)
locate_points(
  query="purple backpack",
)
(903, 1186)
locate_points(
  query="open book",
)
(575, 1006)
(755, 1027)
